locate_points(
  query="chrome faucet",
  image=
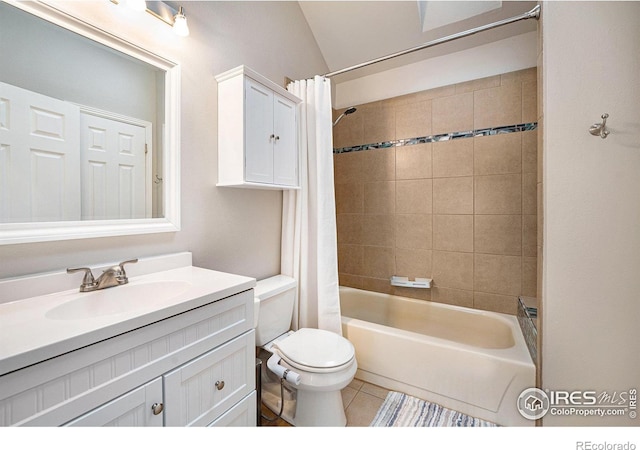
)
(113, 276)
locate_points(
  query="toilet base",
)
(302, 408)
(319, 409)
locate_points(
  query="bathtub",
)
(471, 361)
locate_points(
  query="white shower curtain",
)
(309, 242)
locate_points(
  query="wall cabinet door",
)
(134, 409)
(257, 132)
(285, 146)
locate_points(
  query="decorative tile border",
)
(440, 137)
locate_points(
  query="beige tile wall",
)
(463, 212)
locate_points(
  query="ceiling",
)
(352, 32)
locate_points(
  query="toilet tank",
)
(275, 298)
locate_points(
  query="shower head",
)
(348, 111)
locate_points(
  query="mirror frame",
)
(17, 233)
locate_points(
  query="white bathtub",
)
(472, 361)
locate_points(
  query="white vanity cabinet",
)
(193, 368)
(257, 132)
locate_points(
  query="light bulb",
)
(180, 24)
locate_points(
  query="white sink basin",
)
(117, 300)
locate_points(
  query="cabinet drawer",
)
(242, 414)
(201, 390)
(132, 409)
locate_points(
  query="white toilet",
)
(316, 364)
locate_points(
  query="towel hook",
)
(600, 129)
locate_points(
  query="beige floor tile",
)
(374, 390)
(362, 409)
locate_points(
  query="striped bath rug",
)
(402, 410)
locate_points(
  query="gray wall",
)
(227, 229)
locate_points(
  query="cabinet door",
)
(198, 392)
(129, 410)
(285, 149)
(258, 133)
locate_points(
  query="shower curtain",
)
(309, 244)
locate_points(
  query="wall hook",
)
(600, 129)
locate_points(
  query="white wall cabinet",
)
(199, 365)
(257, 132)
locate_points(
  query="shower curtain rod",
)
(533, 14)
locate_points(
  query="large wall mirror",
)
(89, 131)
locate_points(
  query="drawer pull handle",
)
(219, 385)
(157, 408)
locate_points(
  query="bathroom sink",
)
(117, 300)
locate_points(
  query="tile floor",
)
(361, 402)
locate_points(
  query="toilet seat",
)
(314, 350)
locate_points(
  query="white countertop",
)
(30, 333)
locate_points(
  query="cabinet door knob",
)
(219, 385)
(157, 408)
(272, 136)
(277, 138)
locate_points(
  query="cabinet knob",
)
(277, 138)
(157, 408)
(272, 136)
(219, 385)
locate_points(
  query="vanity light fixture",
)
(169, 15)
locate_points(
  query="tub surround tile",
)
(414, 231)
(418, 294)
(453, 195)
(380, 197)
(498, 234)
(379, 262)
(414, 162)
(378, 165)
(453, 158)
(378, 230)
(494, 302)
(453, 113)
(497, 274)
(493, 155)
(348, 168)
(349, 198)
(413, 263)
(441, 181)
(377, 285)
(379, 123)
(499, 105)
(529, 276)
(529, 235)
(529, 195)
(453, 233)
(350, 259)
(457, 297)
(529, 151)
(354, 281)
(413, 119)
(349, 229)
(453, 269)
(481, 83)
(414, 196)
(349, 131)
(498, 194)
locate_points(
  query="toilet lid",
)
(313, 348)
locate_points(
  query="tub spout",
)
(273, 363)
